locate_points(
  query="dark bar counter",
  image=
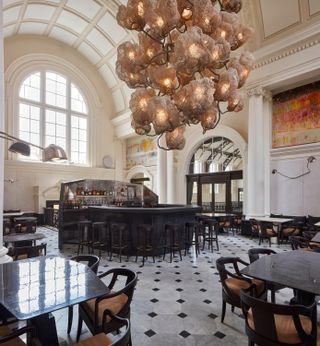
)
(133, 216)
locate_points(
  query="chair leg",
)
(70, 318)
(232, 308)
(250, 343)
(273, 296)
(223, 313)
(79, 328)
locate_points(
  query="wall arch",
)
(140, 169)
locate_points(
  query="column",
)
(170, 177)
(3, 251)
(162, 173)
(259, 135)
(119, 158)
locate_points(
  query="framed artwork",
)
(296, 116)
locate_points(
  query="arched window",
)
(217, 154)
(52, 110)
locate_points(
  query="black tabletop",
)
(295, 269)
(18, 237)
(33, 287)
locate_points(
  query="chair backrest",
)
(92, 261)
(263, 325)
(254, 254)
(125, 338)
(263, 226)
(23, 252)
(254, 226)
(298, 242)
(131, 279)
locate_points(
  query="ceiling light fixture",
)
(50, 153)
(310, 159)
(182, 67)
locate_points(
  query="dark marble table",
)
(31, 289)
(296, 269)
(22, 237)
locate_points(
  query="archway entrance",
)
(215, 179)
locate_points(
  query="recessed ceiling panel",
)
(32, 28)
(73, 21)
(99, 41)
(87, 8)
(110, 26)
(108, 76)
(11, 14)
(314, 6)
(118, 100)
(10, 2)
(279, 14)
(89, 52)
(63, 35)
(37, 11)
(8, 31)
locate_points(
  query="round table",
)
(22, 237)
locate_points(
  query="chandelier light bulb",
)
(184, 65)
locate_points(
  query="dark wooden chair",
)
(23, 252)
(102, 339)
(254, 255)
(298, 243)
(266, 231)
(92, 262)
(192, 233)
(254, 228)
(172, 240)
(85, 235)
(145, 243)
(100, 237)
(92, 312)
(11, 337)
(271, 324)
(233, 282)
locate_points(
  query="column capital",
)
(260, 91)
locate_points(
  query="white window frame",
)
(44, 106)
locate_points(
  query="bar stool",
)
(211, 233)
(25, 225)
(7, 226)
(172, 240)
(99, 236)
(192, 236)
(85, 235)
(145, 244)
(119, 236)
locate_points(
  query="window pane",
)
(55, 133)
(78, 140)
(30, 88)
(56, 90)
(77, 101)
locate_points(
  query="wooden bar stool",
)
(145, 243)
(85, 235)
(99, 236)
(172, 240)
(192, 236)
(119, 239)
(211, 233)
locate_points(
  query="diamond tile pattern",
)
(175, 311)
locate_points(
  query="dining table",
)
(25, 238)
(297, 269)
(32, 289)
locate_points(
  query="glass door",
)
(220, 197)
(207, 197)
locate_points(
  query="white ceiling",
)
(90, 27)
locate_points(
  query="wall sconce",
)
(310, 159)
(50, 153)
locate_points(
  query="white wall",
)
(28, 52)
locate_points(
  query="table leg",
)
(302, 298)
(46, 330)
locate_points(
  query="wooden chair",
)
(92, 312)
(102, 340)
(254, 255)
(271, 324)
(266, 231)
(233, 282)
(23, 252)
(300, 243)
(92, 262)
(11, 337)
(254, 228)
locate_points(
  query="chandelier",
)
(182, 67)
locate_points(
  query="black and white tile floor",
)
(176, 303)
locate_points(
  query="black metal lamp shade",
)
(20, 148)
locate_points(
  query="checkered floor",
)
(176, 303)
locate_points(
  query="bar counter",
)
(133, 216)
